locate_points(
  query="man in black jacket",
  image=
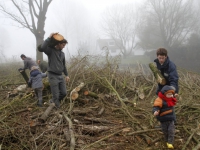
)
(56, 66)
(167, 69)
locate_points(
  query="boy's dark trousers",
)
(168, 129)
(38, 93)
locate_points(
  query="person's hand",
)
(67, 78)
(20, 69)
(29, 84)
(155, 113)
(176, 95)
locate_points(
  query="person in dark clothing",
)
(43, 65)
(35, 81)
(56, 66)
(167, 69)
(164, 112)
(28, 62)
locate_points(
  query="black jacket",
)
(169, 72)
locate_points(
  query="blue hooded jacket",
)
(169, 72)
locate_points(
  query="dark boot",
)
(40, 103)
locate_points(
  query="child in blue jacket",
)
(163, 109)
(35, 81)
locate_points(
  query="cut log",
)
(92, 94)
(97, 120)
(94, 129)
(82, 112)
(74, 93)
(46, 113)
(24, 75)
(157, 74)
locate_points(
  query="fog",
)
(77, 20)
(133, 29)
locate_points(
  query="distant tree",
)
(167, 23)
(30, 14)
(120, 24)
(4, 39)
(76, 28)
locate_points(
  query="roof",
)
(108, 44)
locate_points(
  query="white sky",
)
(22, 41)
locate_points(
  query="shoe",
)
(170, 146)
(40, 103)
(50, 101)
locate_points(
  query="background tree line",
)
(173, 24)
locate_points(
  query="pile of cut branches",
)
(107, 107)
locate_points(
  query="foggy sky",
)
(21, 41)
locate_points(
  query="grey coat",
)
(28, 63)
(56, 58)
(36, 81)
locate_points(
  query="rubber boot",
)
(170, 146)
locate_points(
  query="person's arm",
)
(30, 82)
(44, 46)
(173, 76)
(65, 71)
(44, 75)
(157, 105)
(25, 65)
(156, 111)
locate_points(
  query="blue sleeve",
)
(155, 108)
(173, 76)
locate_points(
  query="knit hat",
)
(168, 89)
(34, 68)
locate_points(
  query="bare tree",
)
(4, 39)
(167, 23)
(78, 29)
(30, 14)
(119, 24)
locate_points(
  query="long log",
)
(157, 74)
(71, 132)
(43, 118)
(94, 128)
(98, 120)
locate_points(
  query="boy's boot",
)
(170, 146)
(40, 103)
